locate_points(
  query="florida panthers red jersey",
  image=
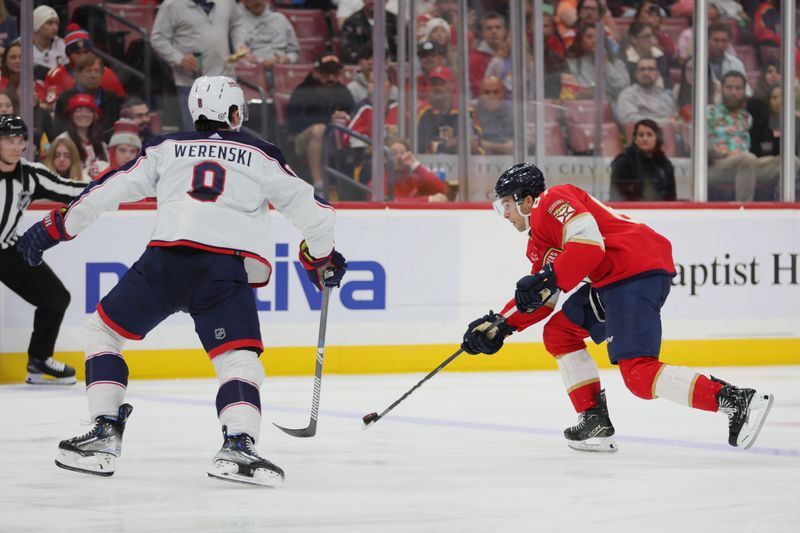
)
(585, 239)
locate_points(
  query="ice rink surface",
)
(480, 452)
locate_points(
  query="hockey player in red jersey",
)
(208, 248)
(625, 268)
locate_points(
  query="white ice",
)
(467, 452)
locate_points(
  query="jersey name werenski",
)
(226, 153)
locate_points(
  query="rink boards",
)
(417, 277)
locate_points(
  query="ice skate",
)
(594, 431)
(49, 372)
(747, 410)
(95, 452)
(238, 461)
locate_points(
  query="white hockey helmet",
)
(212, 97)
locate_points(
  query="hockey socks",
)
(106, 383)
(240, 376)
(581, 379)
(648, 378)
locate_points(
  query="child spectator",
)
(125, 142)
(411, 178)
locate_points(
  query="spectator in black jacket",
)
(642, 172)
(88, 80)
(319, 100)
(357, 31)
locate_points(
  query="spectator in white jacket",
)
(192, 36)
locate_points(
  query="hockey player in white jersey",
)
(208, 248)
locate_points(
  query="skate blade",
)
(43, 379)
(756, 416)
(596, 445)
(230, 472)
(99, 464)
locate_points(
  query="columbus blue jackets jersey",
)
(213, 191)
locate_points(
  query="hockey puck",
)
(370, 418)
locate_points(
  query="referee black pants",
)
(40, 287)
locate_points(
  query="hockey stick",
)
(311, 429)
(372, 418)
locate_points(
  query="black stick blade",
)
(310, 431)
(370, 418)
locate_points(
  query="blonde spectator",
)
(125, 142)
(63, 159)
(6, 104)
(85, 128)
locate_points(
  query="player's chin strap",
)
(526, 217)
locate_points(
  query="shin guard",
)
(580, 377)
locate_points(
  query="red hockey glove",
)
(325, 271)
(43, 235)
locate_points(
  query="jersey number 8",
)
(208, 181)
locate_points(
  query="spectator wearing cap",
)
(88, 77)
(269, 35)
(83, 122)
(138, 111)
(317, 101)
(49, 50)
(193, 37)
(125, 143)
(8, 27)
(431, 55)
(437, 31)
(357, 31)
(437, 121)
(62, 77)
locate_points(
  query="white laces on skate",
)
(56, 366)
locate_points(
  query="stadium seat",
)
(582, 111)
(282, 106)
(306, 22)
(736, 31)
(288, 76)
(140, 14)
(311, 48)
(747, 54)
(581, 138)
(674, 27)
(252, 73)
(554, 139)
(770, 53)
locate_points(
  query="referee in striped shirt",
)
(21, 182)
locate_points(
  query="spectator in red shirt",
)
(494, 48)
(89, 75)
(430, 56)
(411, 178)
(62, 77)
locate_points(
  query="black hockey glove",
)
(482, 337)
(43, 235)
(534, 291)
(326, 271)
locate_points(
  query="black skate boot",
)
(747, 410)
(49, 372)
(594, 431)
(95, 452)
(239, 461)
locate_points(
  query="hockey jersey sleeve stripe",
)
(582, 228)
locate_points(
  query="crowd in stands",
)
(313, 58)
